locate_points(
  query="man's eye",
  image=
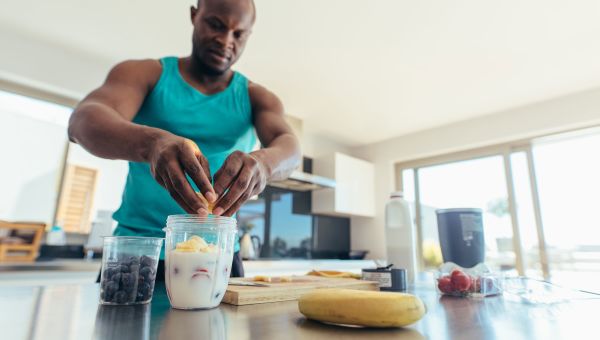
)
(239, 34)
(215, 25)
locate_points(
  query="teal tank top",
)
(220, 124)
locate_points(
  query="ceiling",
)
(361, 71)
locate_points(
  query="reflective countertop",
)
(72, 312)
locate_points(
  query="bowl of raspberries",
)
(479, 281)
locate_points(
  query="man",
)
(187, 125)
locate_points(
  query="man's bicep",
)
(126, 87)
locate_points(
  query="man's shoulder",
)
(145, 71)
(261, 97)
(140, 65)
(258, 91)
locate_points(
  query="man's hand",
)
(170, 158)
(242, 176)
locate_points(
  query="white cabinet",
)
(354, 194)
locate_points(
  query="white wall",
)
(314, 145)
(557, 115)
(29, 60)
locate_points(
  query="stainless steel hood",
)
(302, 181)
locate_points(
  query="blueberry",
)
(139, 297)
(120, 297)
(126, 280)
(129, 289)
(117, 277)
(111, 287)
(148, 273)
(124, 268)
(147, 261)
(133, 260)
(106, 295)
(108, 273)
(144, 271)
(144, 287)
(134, 268)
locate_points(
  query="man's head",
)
(221, 30)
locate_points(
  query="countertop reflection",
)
(72, 312)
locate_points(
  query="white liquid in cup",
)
(197, 280)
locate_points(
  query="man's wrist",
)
(262, 158)
(150, 136)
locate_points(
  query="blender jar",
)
(198, 256)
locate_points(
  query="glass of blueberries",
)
(129, 269)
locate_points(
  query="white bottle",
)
(400, 235)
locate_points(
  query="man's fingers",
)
(227, 174)
(243, 198)
(193, 167)
(182, 187)
(204, 164)
(177, 197)
(237, 191)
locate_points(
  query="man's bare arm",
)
(102, 124)
(246, 175)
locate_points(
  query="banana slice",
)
(209, 206)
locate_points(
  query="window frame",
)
(505, 150)
(51, 95)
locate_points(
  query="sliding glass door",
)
(568, 174)
(539, 200)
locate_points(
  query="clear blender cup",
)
(198, 256)
(129, 266)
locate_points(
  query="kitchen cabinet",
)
(354, 193)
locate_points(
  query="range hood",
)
(303, 181)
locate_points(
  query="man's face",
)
(221, 29)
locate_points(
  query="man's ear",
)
(193, 11)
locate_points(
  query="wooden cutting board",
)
(286, 291)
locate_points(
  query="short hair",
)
(200, 2)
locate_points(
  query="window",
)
(477, 183)
(567, 169)
(539, 199)
(36, 155)
(33, 142)
(280, 221)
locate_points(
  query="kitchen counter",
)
(72, 312)
(71, 271)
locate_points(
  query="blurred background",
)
(479, 104)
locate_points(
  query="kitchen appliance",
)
(461, 236)
(249, 246)
(304, 180)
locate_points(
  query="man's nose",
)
(226, 39)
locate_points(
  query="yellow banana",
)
(362, 308)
